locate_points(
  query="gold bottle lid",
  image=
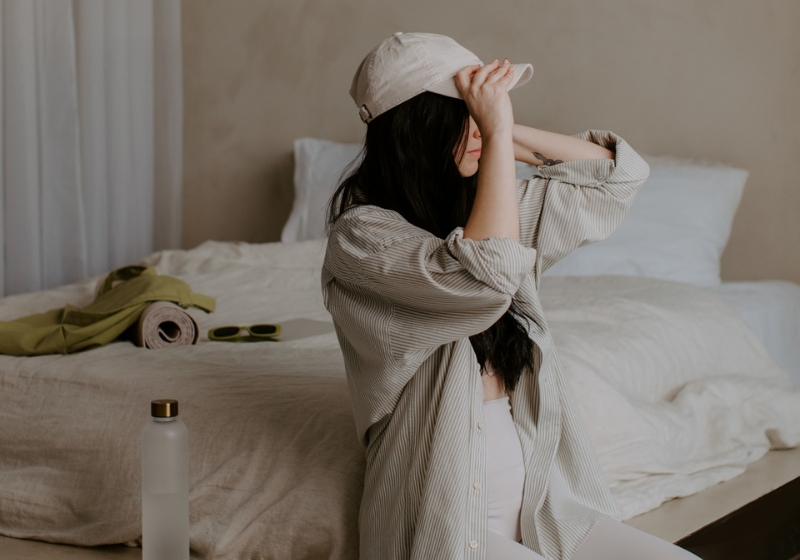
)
(164, 408)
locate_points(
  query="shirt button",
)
(473, 544)
(480, 424)
(476, 485)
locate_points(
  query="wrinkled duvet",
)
(678, 394)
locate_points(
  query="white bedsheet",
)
(678, 394)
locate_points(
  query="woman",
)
(475, 448)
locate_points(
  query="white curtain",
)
(91, 137)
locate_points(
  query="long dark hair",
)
(408, 164)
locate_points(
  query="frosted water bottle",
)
(165, 484)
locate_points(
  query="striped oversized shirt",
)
(405, 303)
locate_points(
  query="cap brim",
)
(522, 74)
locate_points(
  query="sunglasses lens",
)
(224, 332)
(263, 330)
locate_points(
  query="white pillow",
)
(676, 230)
(318, 167)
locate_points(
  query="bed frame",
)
(766, 529)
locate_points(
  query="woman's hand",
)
(485, 91)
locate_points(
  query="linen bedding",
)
(677, 392)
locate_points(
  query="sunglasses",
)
(255, 333)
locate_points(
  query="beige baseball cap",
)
(406, 64)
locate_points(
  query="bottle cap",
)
(164, 408)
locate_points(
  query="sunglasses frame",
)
(251, 336)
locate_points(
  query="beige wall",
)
(714, 79)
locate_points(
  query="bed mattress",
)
(677, 391)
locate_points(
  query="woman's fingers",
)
(507, 77)
(464, 77)
(483, 72)
(491, 73)
(500, 73)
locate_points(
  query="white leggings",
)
(505, 477)
(608, 540)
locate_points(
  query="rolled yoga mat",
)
(163, 324)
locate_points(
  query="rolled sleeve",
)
(432, 275)
(500, 263)
(618, 175)
(439, 290)
(445, 290)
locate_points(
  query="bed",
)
(683, 382)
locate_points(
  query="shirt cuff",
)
(625, 167)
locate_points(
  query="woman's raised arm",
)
(485, 90)
(538, 147)
(580, 200)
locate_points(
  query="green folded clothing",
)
(116, 307)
